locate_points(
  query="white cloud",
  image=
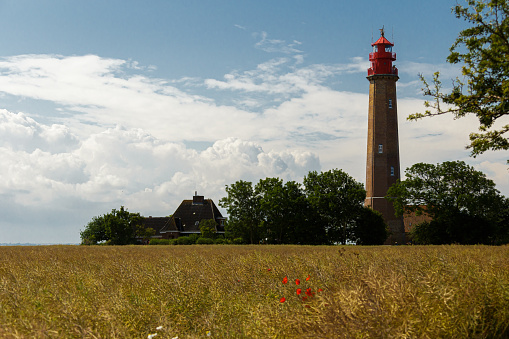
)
(275, 45)
(130, 167)
(23, 133)
(285, 78)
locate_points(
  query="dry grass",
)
(127, 292)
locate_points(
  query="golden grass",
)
(228, 292)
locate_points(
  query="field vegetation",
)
(251, 291)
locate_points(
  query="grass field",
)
(226, 291)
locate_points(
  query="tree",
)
(208, 228)
(338, 200)
(145, 233)
(285, 213)
(116, 228)
(484, 50)
(370, 228)
(464, 205)
(242, 206)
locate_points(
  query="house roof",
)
(188, 215)
(157, 223)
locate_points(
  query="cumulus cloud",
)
(121, 166)
(21, 132)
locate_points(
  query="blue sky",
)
(110, 103)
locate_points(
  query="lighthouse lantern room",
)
(382, 57)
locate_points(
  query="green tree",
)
(208, 228)
(338, 199)
(464, 205)
(116, 228)
(370, 228)
(145, 233)
(483, 49)
(242, 206)
(285, 211)
(94, 232)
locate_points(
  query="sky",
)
(143, 103)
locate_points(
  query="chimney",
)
(198, 199)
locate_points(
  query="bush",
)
(238, 241)
(205, 241)
(159, 242)
(194, 238)
(187, 240)
(220, 241)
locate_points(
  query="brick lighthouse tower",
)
(382, 166)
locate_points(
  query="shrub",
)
(220, 241)
(159, 242)
(194, 237)
(238, 241)
(204, 241)
(187, 240)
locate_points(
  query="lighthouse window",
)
(390, 103)
(388, 48)
(392, 171)
(380, 148)
(375, 48)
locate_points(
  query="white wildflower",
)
(150, 336)
(159, 328)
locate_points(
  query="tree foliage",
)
(116, 228)
(483, 49)
(370, 228)
(208, 228)
(338, 200)
(242, 206)
(324, 211)
(464, 205)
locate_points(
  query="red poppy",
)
(308, 292)
(269, 269)
(299, 291)
(320, 290)
(309, 277)
(297, 282)
(304, 298)
(285, 280)
(282, 300)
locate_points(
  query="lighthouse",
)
(382, 165)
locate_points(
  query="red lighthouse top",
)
(382, 57)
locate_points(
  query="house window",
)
(380, 148)
(392, 171)
(390, 103)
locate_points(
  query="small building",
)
(186, 219)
